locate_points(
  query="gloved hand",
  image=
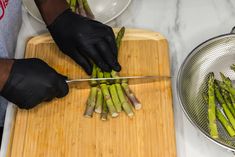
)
(85, 40)
(32, 81)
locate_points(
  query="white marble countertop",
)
(185, 23)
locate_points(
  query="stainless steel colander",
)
(214, 55)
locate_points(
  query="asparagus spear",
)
(104, 114)
(88, 9)
(99, 101)
(120, 36)
(81, 9)
(225, 123)
(228, 102)
(222, 119)
(73, 5)
(115, 98)
(91, 102)
(135, 102)
(107, 97)
(224, 106)
(228, 83)
(232, 100)
(230, 89)
(94, 75)
(113, 93)
(125, 104)
(212, 108)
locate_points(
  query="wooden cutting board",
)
(58, 128)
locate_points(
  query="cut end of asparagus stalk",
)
(98, 110)
(135, 102)
(89, 112)
(138, 106)
(114, 115)
(104, 117)
(130, 115)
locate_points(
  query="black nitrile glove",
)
(32, 81)
(85, 40)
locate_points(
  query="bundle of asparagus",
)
(224, 108)
(106, 97)
(110, 97)
(81, 7)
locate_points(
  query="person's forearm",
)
(50, 9)
(5, 69)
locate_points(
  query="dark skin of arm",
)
(49, 10)
(5, 69)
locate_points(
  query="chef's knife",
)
(84, 83)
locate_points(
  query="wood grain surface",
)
(58, 128)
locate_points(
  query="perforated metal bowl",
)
(214, 55)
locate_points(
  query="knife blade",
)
(84, 83)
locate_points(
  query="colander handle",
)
(233, 30)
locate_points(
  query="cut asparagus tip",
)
(114, 115)
(138, 106)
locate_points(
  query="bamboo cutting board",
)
(58, 128)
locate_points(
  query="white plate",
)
(104, 10)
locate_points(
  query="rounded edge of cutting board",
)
(131, 34)
(163, 58)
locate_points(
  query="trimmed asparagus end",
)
(91, 102)
(135, 102)
(89, 112)
(114, 115)
(104, 117)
